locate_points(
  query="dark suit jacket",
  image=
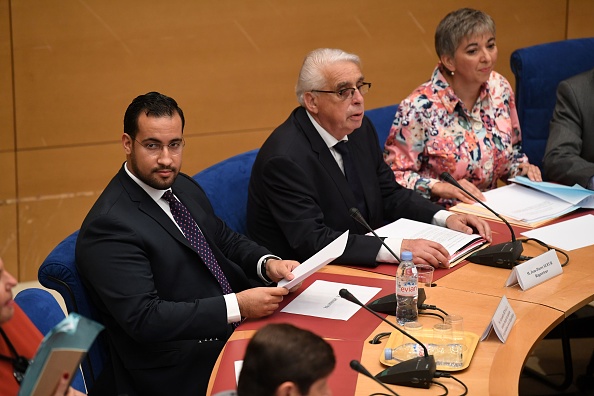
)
(569, 156)
(299, 199)
(164, 311)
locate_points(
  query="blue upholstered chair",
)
(45, 312)
(539, 70)
(226, 185)
(382, 119)
(58, 272)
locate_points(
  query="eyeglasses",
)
(347, 93)
(155, 149)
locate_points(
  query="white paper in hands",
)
(333, 250)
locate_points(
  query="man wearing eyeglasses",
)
(169, 278)
(305, 181)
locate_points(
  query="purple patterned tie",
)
(193, 234)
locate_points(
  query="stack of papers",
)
(458, 244)
(576, 195)
(523, 206)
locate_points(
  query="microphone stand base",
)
(414, 373)
(503, 255)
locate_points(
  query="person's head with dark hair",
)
(282, 359)
(153, 139)
(152, 104)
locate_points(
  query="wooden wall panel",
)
(231, 64)
(8, 206)
(8, 214)
(580, 19)
(6, 91)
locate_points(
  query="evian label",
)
(406, 288)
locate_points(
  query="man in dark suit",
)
(569, 156)
(169, 293)
(299, 197)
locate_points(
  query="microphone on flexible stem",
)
(355, 214)
(417, 372)
(503, 255)
(386, 304)
(358, 367)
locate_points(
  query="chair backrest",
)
(58, 272)
(226, 185)
(538, 70)
(45, 312)
(382, 119)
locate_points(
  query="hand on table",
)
(427, 252)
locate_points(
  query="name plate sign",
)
(502, 321)
(535, 271)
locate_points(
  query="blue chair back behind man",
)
(58, 272)
(226, 185)
(45, 312)
(538, 70)
(382, 119)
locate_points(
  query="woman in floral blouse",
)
(463, 121)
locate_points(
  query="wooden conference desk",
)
(474, 292)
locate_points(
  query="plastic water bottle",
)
(407, 292)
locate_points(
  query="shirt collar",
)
(446, 93)
(154, 193)
(324, 134)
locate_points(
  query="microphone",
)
(386, 304)
(355, 214)
(417, 372)
(503, 255)
(358, 367)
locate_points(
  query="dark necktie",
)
(350, 172)
(193, 234)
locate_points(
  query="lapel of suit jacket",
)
(326, 158)
(148, 206)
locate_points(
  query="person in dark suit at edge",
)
(170, 280)
(569, 156)
(299, 197)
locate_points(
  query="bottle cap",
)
(388, 353)
(407, 256)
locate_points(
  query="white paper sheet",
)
(333, 250)
(410, 229)
(238, 366)
(526, 204)
(321, 299)
(576, 195)
(567, 235)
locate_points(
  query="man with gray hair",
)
(324, 160)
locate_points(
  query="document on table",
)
(321, 299)
(567, 235)
(575, 195)
(333, 250)
(456, 243)
(523, 204)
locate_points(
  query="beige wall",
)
(68, 69)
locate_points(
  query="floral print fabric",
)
(433, 132)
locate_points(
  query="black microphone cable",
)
(445, 374)
(434, 308)
(432, 314)
(445, 388)
(544, 245)
(377, 339)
